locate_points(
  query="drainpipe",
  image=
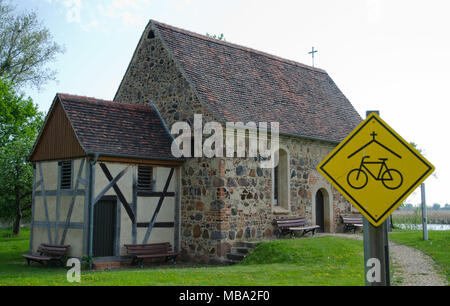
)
(91, 206)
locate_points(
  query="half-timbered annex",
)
(103, 178)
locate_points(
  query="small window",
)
(145, 178)
(66, 174)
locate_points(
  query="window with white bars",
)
(66, 174)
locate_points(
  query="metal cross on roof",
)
(312, 53)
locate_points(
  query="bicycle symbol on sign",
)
(389, 177)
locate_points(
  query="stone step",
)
(106, 265)
(240, 250)
(236, 257)
(246, 244)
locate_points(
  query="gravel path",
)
(411, 266)
(414, 267)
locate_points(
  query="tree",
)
(26, 46)
(16, 179)
(19, 117)
(436, 206)
(20, 122)
(409, 206)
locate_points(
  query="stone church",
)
(101, 160)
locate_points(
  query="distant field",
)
(415, 216)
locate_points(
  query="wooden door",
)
(319, 211)
(104, 227)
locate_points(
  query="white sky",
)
(392, 56)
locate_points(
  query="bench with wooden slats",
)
(48, 253)
(291, 225)
(352, 222)
(140, 252)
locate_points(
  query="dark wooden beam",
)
(63, 192)
(154, 194)
(158, 207)
(119, 193)
(71, 225)
(162, 163)
(44, 198)
(157, 224)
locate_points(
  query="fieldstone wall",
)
(246, 193)
(154, 76)
(223, 200)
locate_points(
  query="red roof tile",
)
(117, 129)
(239, 84)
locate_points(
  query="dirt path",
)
(411, 266)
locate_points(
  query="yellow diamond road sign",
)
(375, 169)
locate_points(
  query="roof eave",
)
(169, 159)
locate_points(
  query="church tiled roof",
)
(238, 84)
(117, 129)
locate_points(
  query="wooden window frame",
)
(66, 165)
(145, 173)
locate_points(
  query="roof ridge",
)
(86, 99)
(236, 46)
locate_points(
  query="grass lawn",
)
(305, 261)
(437, 246)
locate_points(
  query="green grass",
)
(437, 246)
(305, 261)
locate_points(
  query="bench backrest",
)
(291, 222)
(53, 249)
(352, 219)
(148, 249)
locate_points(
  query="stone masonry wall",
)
(246, 193)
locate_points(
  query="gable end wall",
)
(58, 140)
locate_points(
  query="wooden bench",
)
(292, 225)
(140, 252)
(352, 222)
(48, 253)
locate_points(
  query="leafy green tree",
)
(20, 122)
(26, 47)
(16, 179)
(19, 117)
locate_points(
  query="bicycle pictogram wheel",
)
(392, 179)
(357, 179)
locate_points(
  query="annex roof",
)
(102, 127)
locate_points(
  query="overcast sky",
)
(393, 56)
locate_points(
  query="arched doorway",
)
(320, 212)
